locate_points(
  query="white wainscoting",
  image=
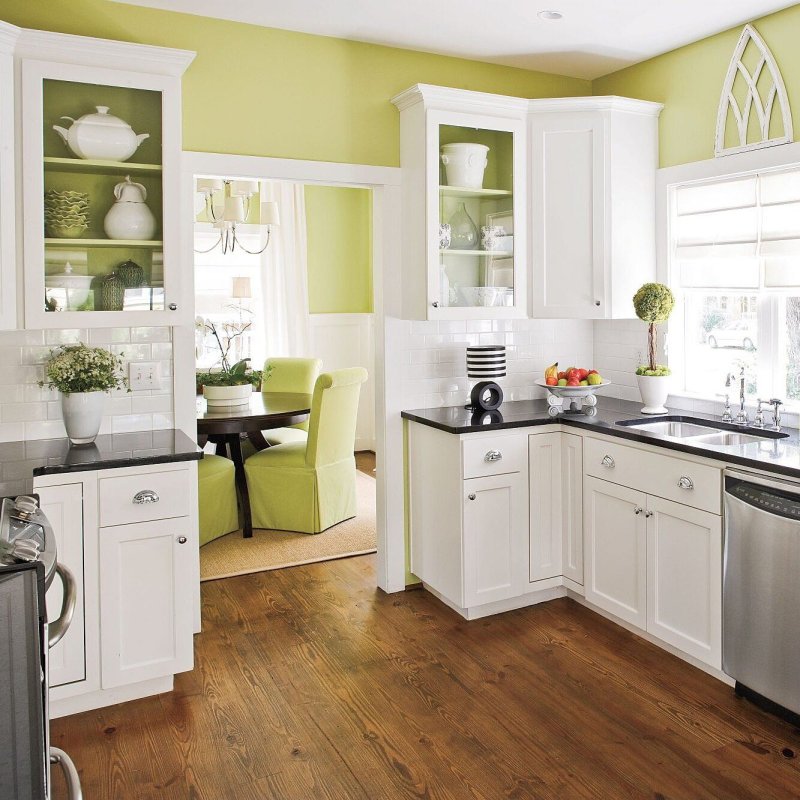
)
(347, 340)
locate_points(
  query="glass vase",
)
(463, 231)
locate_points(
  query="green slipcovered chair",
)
(290, 375)
(219, 511)
(310, 486)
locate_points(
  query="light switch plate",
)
(144, 375)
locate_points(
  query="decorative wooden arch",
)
(764, 105)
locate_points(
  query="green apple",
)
(562, 381)
(594, 379)
(585, 383)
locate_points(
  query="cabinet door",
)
(684, 578)
(544, 469)
(470, 275)
(495, 538)
(568, 216)
(145, 601)
(63, 506)
(615, 550)
(572, 506)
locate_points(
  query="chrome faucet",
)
(758, 420)
(741, 417)
(776, 413)
(726, 414)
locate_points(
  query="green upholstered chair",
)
(219, 511)
(309, 486)
(290, 375)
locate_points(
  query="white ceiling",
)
(594, 37)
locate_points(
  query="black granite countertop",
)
(780, 455)
(108, 451)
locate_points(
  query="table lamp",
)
(485, 362)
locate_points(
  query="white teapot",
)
(129, 217)
(101, 136)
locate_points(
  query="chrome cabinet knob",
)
(648, 514)
(435, 304)
(685, 483)
(471, 496)
(597, 303)
(608, 461)
(637, 510)
(173, 306)
(182, 540)
(493, 455)
(145, 496)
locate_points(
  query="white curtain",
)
(284, 274)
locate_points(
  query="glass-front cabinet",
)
(469, 233)
(101, 149)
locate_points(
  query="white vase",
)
(227, 396)
(654, 390)
(83, 413)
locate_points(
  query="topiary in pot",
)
(653, 304)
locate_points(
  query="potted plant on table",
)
(84, 376)
(653, 304)
(231, 384)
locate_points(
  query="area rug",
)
(232, 555)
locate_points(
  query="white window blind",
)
(741, 233)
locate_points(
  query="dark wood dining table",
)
(224, 427)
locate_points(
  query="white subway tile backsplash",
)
(30, 412)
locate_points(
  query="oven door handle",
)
(59, 627)
(70, 773)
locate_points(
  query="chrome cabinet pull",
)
(471, 496)
(69, 598)
(685, 483)
(493, 455)
(608, 461)
(648, 514)
(145, 496)
(182, 540)
(637, 510)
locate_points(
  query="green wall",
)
(339, 232)
(261, 91)
(689, 83)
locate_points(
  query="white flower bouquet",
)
(78, 368)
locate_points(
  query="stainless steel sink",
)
(675, 430)
(729, 438)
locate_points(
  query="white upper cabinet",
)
(8, 244)
(464, 204)
(592, 166)
(100, 124)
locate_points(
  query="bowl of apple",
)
(572, 383)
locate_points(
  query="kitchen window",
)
(734, 260)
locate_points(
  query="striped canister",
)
(486, 361)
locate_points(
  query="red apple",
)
(562, 375)
(592, 372)
(551, 380)
(573, 374)
(582, 373)
(573, 382)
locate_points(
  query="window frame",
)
(729, 167)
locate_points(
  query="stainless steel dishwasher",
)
(761, 590)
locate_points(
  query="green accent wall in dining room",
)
(689, 82)
(339, 244)
(268, 92)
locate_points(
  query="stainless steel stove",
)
(28, 565)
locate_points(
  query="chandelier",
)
(235, 210)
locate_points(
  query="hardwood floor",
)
(365, 462)
(311, 683)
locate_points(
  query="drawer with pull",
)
(144, 496)
(667, 476)
(494, 455)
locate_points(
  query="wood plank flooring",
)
(311, 683)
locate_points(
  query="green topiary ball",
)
(653, 302)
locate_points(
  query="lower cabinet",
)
(616, 550)
(684, 578)
(145, 605)
(63, 506)
(656, 564)
(495, 533)
(555, 468)
(137, 581)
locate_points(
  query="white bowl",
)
(480, 295)
(572, 391)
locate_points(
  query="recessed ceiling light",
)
(550, 15)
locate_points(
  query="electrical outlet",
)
(143, 375)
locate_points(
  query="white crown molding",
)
(8, 37)
(465, 100)
(105, 53)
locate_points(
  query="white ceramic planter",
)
(83, 413)
(654, 391)
(464, 164)
(227, 396)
